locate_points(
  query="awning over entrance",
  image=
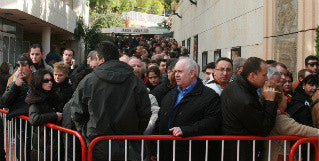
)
(135, 31)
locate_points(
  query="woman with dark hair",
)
(4, 76)
(300, 106)
(42, 103)
(154, 77)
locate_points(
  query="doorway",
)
(7, 48)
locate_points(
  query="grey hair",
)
(190, 65)
(272, 71)
(237, 63)
(157, 55)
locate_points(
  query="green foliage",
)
(156, 7)
(90, 35)
(126, 5)
(106, 19)
(167, 3)
(317, 41)
(145, 6)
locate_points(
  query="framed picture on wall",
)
(204, 59)
(189, 44)
(195, 55)
(235, 52)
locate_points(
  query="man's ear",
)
(192, 72)
(42, 55)
(252, 76)
(102, 60)
(31, 67)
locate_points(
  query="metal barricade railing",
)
(159, 138)
(313, 140)
(17, 140)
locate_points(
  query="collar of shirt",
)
(182, 93)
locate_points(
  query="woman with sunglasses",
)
(42, 102)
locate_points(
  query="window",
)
(204, 60)
(183, 43)
(189, 44)
(235, 52)
(217, 54)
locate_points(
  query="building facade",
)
(46, 22)
(282, 30)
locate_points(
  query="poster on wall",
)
(195, 55)
(188, 44)
(235, 52)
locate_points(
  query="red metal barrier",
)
(62, 129)
(87, 152)
(313, 140)
(170, 137)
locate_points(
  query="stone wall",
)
(221, 24)
(289, 31)
(286, 29)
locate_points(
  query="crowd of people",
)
(138, 86)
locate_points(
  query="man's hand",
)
(72, 63)
(19, 80)
(269, 93)
(59, 116)
(176, 131)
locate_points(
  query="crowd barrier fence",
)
(16, 135)
(158, 138)
(313, 140)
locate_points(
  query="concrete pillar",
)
(46, 39)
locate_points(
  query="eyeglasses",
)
(313, 64)
(23, 63)
(224, 70)
(47, 80)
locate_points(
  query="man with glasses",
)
(311, 62)
(36, 55)
(222, 74)
(282, 69)
(14, 97)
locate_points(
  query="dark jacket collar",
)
(195, 91)
(246, 84)
(113, 71)
(65, 83)
(39, 66)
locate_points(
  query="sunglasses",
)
(47, 80)
(23, 63)
(313, 64)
